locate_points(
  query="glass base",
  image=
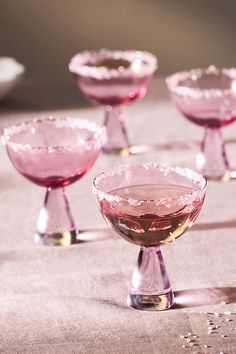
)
(116, 151)
(65, 238)
(151, 302)
(221, 176)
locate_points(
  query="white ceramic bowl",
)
(10, 73)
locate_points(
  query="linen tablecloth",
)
(73, 299)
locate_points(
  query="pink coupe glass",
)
(207, 97)
(150, 205)
(54, 153)
(114, 78)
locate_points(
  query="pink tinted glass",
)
(53, 153)
(113, 78)
(150, 205)
(207, 97)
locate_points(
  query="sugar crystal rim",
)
(175, 87)
(78, 64)
(165, 169)
(99, 135)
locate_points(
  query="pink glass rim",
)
(165, 169)
(99, 133)
(175, 87)
(78, 63)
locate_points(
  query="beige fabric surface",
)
(73, 299)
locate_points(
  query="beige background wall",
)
(44, 34)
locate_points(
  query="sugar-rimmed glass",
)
(207, 97)
(113, 78)
(53, 153)
(150, 205)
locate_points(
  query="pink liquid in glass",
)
(150, 224)
(150, 205)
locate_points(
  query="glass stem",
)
(150, 287)
(55, 223)
(212, 160)
(117, 139)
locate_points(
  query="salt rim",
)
(99, 136)
(185, 200)
(175, 87)
(78, 63)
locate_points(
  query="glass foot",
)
(151, 302)
(56, 226)
(212, 160)
(116, 151)
(150, 287)
(65, 238)
(224, 176)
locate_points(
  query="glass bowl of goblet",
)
(207, 97)
(150, 205)
(53, 153)
(113, 78)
